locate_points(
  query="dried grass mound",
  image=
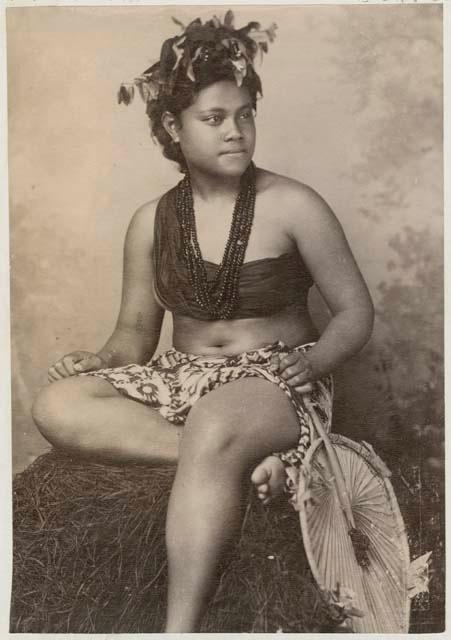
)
(89, 556)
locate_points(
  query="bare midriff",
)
(232, 337)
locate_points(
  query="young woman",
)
(231, 252)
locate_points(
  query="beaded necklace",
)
(221, 297)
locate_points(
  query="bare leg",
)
(225, 436)
(88, 415)
(227, 432)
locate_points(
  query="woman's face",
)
(217, 132)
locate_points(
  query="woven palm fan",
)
(353, 533)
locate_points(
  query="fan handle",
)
(343, 495)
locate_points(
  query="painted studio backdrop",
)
(352, 106)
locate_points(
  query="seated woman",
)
(229, 393)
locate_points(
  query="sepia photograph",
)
(227, 318)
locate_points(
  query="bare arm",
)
(138, 326)
(325, 250)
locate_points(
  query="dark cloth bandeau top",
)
(266, 287)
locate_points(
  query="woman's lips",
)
(236, 152)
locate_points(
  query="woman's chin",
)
(234, 163)
(226, 165)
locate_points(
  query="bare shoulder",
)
(141, 227)
(297, 204)
(143, 219)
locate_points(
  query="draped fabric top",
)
(266, 286)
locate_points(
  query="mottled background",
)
(352, 106)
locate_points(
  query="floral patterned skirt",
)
(172, 382)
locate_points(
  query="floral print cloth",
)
(172, 382)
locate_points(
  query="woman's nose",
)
(233, 131)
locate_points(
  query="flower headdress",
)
(184, 57)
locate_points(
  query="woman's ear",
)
(171, 124)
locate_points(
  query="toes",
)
(264, 498)
(260, 475)
(262, 491)
(269, 479)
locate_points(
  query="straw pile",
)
(89, 557)
(89, 554)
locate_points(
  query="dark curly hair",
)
(200, 56)
(182, 96)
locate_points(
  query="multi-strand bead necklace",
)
(220, 297)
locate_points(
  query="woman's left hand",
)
(296, 369)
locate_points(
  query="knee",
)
(54, 410)
(214, 435)
(44, 407)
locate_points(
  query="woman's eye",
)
(247, 115)
(213, 119)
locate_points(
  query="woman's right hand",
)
(74, 363)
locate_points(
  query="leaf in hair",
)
(258, 85)
(178, 23)
(216, 22)
(249, 27)
(271, 31)
(178, 49)
(148, 90)
(242, 49)
(240, 65)
(190, 71)
(167, 58)
(193, 24)
(239, 71)
(258, 36)
(229, 19)
(197, 54)
(152, 68)
(125, 94)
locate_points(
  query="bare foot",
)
(269, 479)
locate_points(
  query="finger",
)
(81, 366)
(299, 379)
(53, 374)
(300, 368)
(305, 388)
(59, 367)
(68, 364)
(292, 372)
(84, 365)
(77, 355)
(288, 360)
(274, 363)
